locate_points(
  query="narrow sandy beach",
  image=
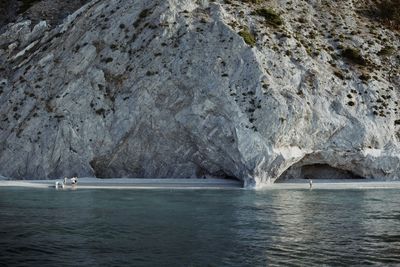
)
(335, 184)
(128, 183)
(131, 183)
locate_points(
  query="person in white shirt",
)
(74, 180)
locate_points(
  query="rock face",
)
(185, 88)
(53, 11)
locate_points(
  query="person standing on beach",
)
(310, 184)
(65, 180)
(74, 180)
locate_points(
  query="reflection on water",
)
(199, 228)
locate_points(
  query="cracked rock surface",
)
(186, 89)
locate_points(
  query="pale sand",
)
(128, 183)
(335, 184)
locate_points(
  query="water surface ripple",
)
(199, 228)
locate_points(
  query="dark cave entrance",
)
(220, 174)
(317, 171)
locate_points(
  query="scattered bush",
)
(248, 37)
(354, 56)
(270, 16)
(145, 13)
(339, 74)
(100, 111)
(386, 51)
(350, 103)
(364, 77)
(253, 1)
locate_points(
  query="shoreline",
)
(129, 183)
(334, 184)
(209, 183)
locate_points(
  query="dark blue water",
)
(199, 228)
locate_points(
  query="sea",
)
(235, 227)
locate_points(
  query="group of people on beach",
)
(74, 181)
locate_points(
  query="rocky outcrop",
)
(53, 11)
(185, 88)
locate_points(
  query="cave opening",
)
(202, 173)
(317, 171)
(221, 175)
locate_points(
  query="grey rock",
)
(169, 89)
(52, 11)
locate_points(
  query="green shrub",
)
(270, 16)
(354, 56)
(386, 51)
(248, 37)
(253, 1)
(339, 74)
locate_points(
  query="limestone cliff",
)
(253, 90)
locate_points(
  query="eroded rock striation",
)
(252, 90)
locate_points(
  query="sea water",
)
(43, 227)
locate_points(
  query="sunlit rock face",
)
(185, 89)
